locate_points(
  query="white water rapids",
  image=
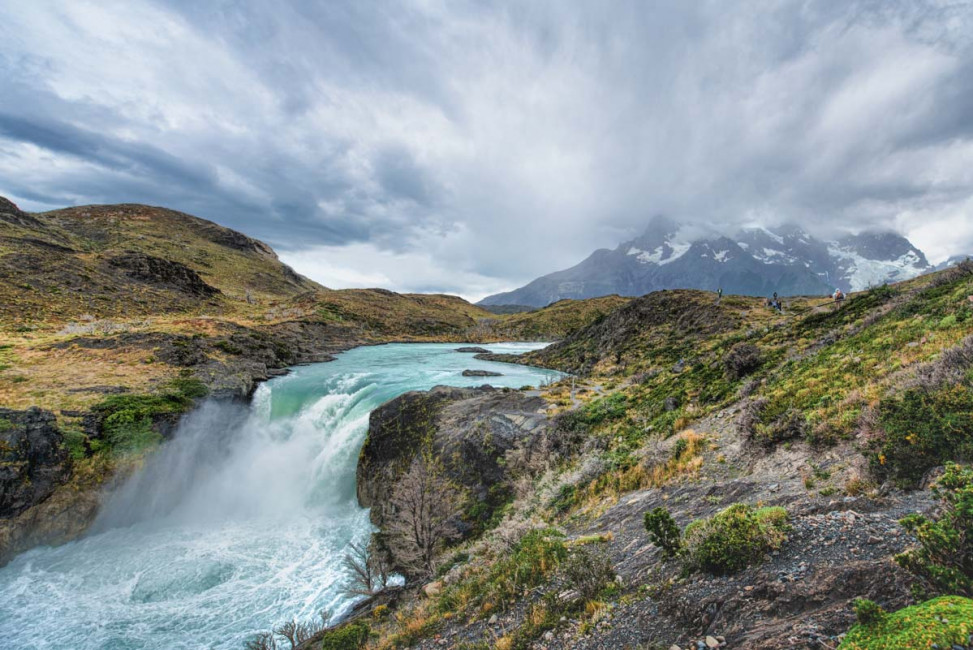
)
(240, 522)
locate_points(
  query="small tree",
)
(944, 557)
(663, 531)
(426, 505)
(370, 568)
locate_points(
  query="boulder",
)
(473, 350)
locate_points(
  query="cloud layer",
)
(467, 148)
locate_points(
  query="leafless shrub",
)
(508, 534)
(589, 572)
(288, 630)
(953, 273)
(426, 505)
(741, 360)
(370, 568)
(950, 368)
(750, 416)
(307, 629)
(261, 641)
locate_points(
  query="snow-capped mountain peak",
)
(757, 261)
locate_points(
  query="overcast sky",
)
(469, 147)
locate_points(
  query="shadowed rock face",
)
(161, 272)
(32, 460)
(468, 429)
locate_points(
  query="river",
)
(239, 522)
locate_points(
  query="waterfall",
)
(237, 523)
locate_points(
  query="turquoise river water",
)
(240, 522)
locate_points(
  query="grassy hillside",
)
(558, 320)
(712, 410)
(129, 297)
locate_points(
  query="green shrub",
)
(347, 637)
(189, 387)
(228, 347)
(679, 448)
(663, 531)
(868, 612)
(75, 441)
(942, 622)
(608, 408)
(128, 421)
(768, 426)
(944, 557)
(733, 539)
(536, 556)
(922, 430)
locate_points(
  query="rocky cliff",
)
(469, 429)
(33, 461)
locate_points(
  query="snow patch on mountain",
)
(668, 252)
(862, 272)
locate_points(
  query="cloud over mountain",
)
(468, 148)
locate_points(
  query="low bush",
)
(944, 557)
(923, 429)
(347, 637)
(663, 531)
(943, 622)
(735, 538)
(741, 360)
(538, 554)
(868, 612)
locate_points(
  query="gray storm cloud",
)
(467, 147)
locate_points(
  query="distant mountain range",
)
(756, 261)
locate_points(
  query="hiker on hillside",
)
(838, 295)
(719, 295)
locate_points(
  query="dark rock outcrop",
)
(10, 213)
(481, 373)
(162, 273)
(33, 461)
(62, 517)
(473, 350)
(469, 429)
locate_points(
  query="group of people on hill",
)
(774, 303)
